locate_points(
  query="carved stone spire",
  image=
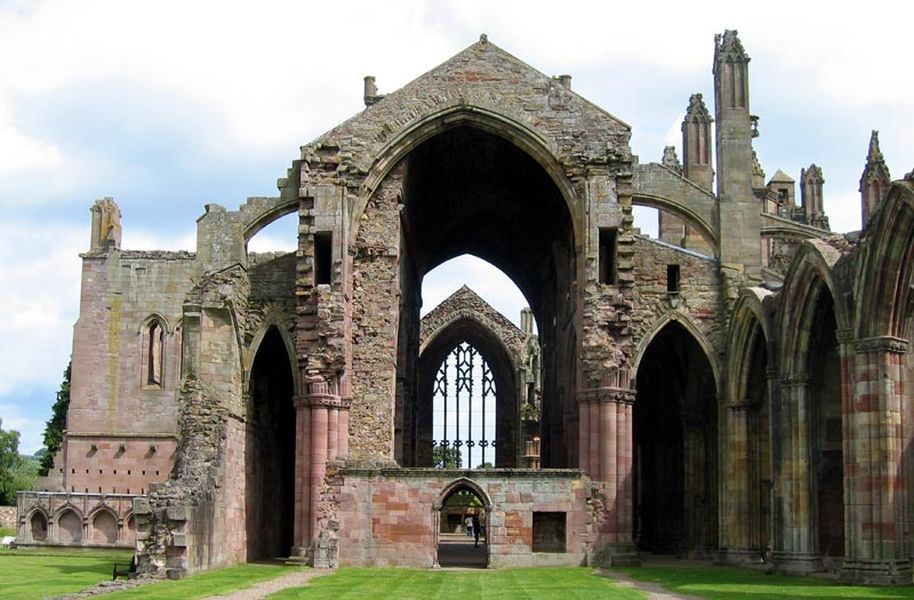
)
(696, 143)
(811, 181)
(874, 181)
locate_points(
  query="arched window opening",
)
(155, 353)
(464, 411)
(39, 527)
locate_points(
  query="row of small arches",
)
(68, 526)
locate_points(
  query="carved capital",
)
(884, 343)
(844, 336)
(321, 401)
(607, 394)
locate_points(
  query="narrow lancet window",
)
(155, 353)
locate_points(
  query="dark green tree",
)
(10, 465)
(54, 428)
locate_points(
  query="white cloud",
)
(144, 239)
(31, 430)
(40, 277)
(491, 284)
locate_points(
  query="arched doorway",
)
(462, 530)
(271, 451)
(468, 191)
(675, 446)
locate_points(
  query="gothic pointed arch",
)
(69, 524)
(464, 319)
(752, 317)
(485, 119)
(280, 323)
(103, 523)
(463, 483)
(687, 324)
(811, 272)
(674, 438)
(154, 332)
(883, 287)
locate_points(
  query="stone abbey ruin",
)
(738, 384)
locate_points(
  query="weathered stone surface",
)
(740, 386)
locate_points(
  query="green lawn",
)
(5, 531)
(206, 584)
(407, 584)
(729, 583)
(27, 574)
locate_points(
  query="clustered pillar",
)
(605, 431)
(875, 494)
(797, 543)
(322, 427)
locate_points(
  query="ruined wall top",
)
(106, 226)
(483, 83)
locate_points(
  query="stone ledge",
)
(431, 472)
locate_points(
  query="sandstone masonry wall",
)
(389, 517)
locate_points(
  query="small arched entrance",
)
(462, 526)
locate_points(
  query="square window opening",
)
(323, 257)
(672, 279)
(549, 532)
(607, 266)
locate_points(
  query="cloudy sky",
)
(167, 106)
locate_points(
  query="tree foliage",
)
(54, 428)
(15, 473)
(446, 457)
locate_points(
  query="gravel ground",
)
(265, 588)
(654, 592)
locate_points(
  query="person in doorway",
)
(469, 525)
(476, 531)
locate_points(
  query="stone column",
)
(796, 550)
(735, 539)
(875, 507)
(606, 456)
(302, 526)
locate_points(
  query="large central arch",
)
(468, 190)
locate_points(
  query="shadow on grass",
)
(730, 583)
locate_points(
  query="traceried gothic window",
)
(463, 411)
(154, 352)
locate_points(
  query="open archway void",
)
(463, 529)
(270, 451)
(675, 442)
(466, 191)
(827, 439)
